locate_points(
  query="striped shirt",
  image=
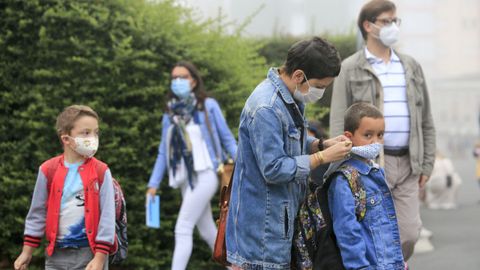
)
(395, 110)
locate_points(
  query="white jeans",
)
(195, 210)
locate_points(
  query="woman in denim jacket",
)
(193, 133)
(275, 157)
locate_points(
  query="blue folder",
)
(152, 211)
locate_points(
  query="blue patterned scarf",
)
(181, 111)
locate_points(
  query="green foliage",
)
(114, 56)
(275, 52)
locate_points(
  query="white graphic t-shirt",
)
(71, 227)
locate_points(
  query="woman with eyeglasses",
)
(194, 137)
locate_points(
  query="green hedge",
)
(115, 56)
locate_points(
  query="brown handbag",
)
(220, 247)
(225, 174)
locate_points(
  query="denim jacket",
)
(269, 179)
(221, 135)
(374, 242)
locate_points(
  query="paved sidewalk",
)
(456, 233)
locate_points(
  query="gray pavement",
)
(456, 233)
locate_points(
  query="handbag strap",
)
(226, 191)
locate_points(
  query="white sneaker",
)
(425, 233)
(423, 245)
(448, 206)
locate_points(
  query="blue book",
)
(152, 211)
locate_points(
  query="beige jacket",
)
(357, 82)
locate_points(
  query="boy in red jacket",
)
(72, 204)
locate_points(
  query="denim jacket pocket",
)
(374, 208)
(294, 147)
(376, 223)
(286, 220)
(362, 90)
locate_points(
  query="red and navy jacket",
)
(43, 216)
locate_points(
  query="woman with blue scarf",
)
(194, 138)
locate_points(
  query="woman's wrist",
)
(320, 157)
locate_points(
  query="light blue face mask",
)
(181, 87)
(369, 151)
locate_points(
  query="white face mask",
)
(86, 147)
(369, 151)
(388, 34)
(313, 94)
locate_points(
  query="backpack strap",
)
(357, 188)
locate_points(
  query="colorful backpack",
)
(314, 242)
(120, 208)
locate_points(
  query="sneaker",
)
(433, 206)
(448, 206)
(423, 245)
(425, 233)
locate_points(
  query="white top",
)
(395, 103)
(201, 157)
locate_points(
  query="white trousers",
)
(195, 211)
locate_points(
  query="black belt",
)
(396, 152)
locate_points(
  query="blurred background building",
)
(443, 35)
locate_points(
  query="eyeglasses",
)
(180, 77)
(388, 21)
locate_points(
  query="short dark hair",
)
(370, 12)
(317, 58)
(356, 112)
(67, 118)
(199, 89)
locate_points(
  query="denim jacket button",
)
(372, 201)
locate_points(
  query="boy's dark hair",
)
(356, 112)
(199, 89)
(317, 58)
(370, 12)
(67, 118)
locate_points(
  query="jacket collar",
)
(374, 59)
(274, 77)
(359, 164)
(363, 62)
(362, 166)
